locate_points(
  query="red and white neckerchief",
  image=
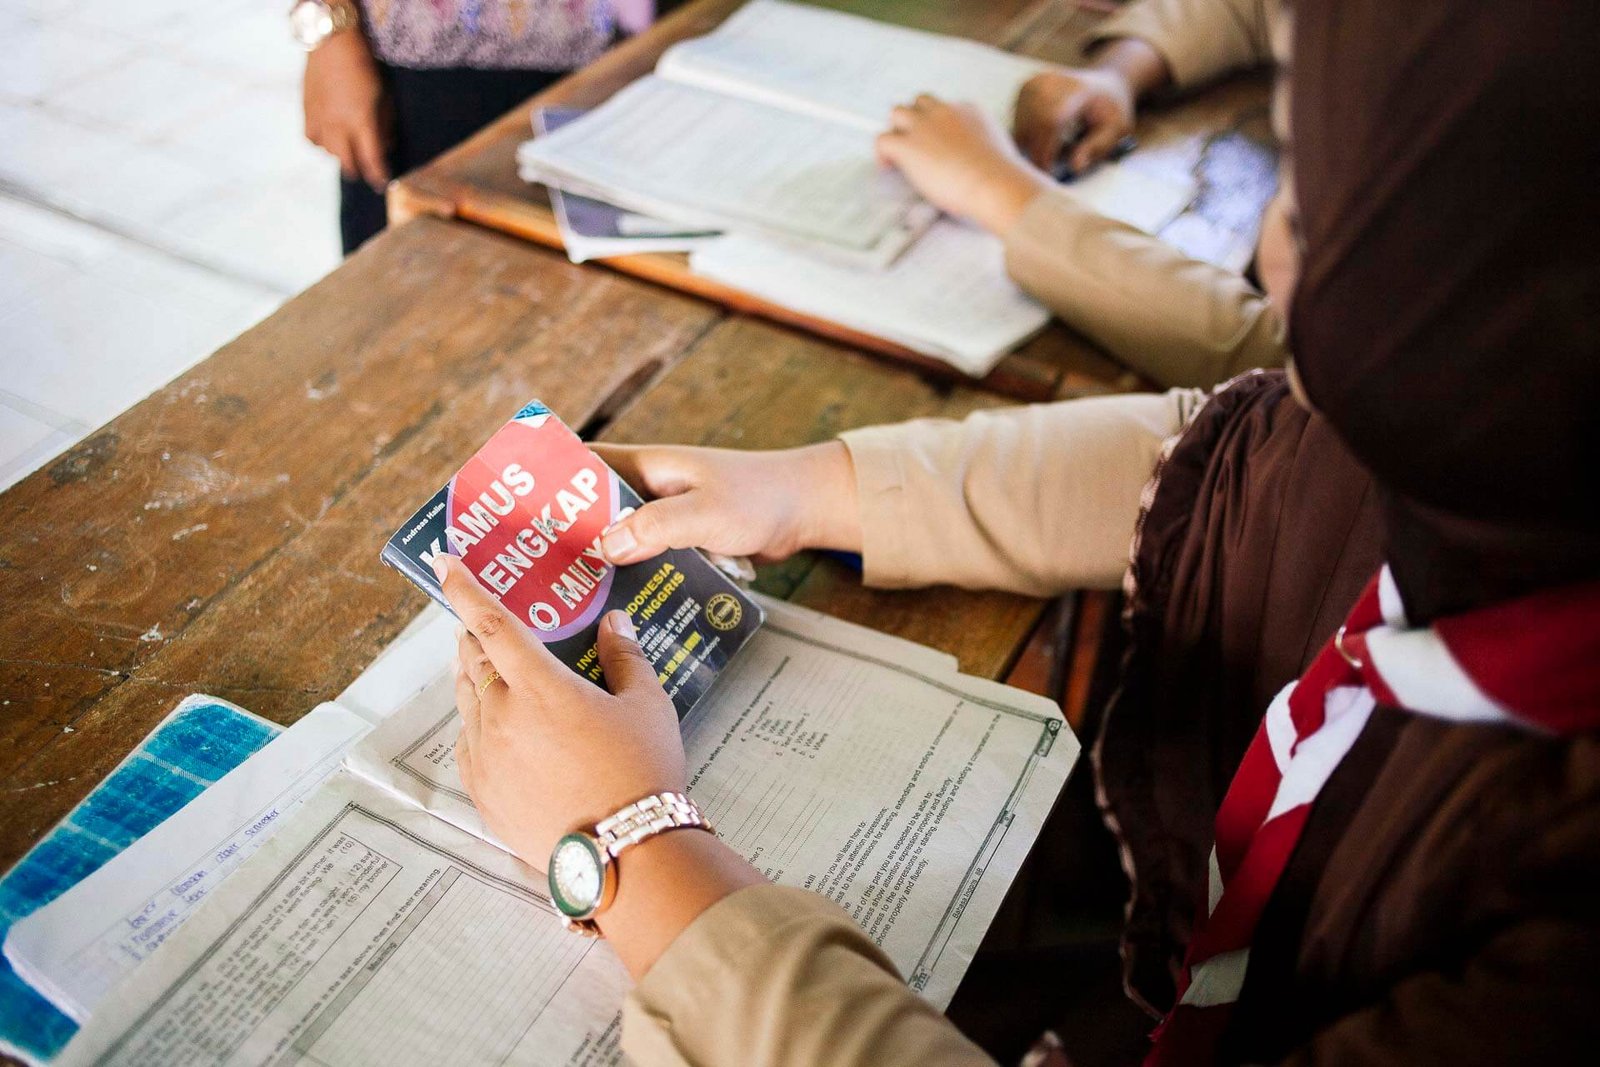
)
(1532, 663)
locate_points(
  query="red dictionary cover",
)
(525, 515)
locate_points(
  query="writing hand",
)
(1095, 108)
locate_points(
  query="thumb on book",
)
(670, 522)
(621, 659)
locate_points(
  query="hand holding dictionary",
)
(768, 505)
(542, 751)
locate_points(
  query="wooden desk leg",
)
(1062, 654)
(1038, 668)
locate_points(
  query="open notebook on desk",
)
(766, 127)
(382, 924)
(949, 296)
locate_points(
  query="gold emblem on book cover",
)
(724, 611)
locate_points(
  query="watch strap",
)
(639, 821)
(342, 15)
(645, 818)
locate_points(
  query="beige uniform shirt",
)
(1036, 499)
(1173, 319)
(1033, 499)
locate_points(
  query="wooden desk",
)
(478, 181)
(222, 536)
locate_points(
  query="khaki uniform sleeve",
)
(1200, 39)
(782, 977)
(1036, 499)
(1176, 320)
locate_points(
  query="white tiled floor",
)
(156, 199)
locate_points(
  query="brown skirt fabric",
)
(1259, 534)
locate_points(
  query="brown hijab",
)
(1447, 327)
(1447, 319)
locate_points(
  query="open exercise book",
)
(950, 295)
(383, 924)
(766, 126)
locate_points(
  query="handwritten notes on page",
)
(202, 739)
(93, 935)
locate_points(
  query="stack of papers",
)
(593, 229)
(381, 922)
(141, 897)
(95, 898)
(199, 742)
(764, 130)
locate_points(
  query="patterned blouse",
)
(488, 34)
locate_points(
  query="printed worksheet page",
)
(377, 927)
(367, 933)
(836, 759)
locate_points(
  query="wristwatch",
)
(583, 869)
(314, 21)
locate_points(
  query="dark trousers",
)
(433, 110)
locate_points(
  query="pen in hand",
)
(1062, 170)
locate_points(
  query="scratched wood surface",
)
(478, 180)
(222, 536)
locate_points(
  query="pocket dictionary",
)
(525, 514)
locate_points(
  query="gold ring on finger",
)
(489, 679)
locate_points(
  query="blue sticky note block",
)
(203, 739)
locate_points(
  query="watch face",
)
(311, 21)
(577, 876)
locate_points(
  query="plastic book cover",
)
(201, 740)
(525, 515)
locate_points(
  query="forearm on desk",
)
(1036, 499)
(1176, 320)
(1198, 40)
(663, 886)
(783, 977)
